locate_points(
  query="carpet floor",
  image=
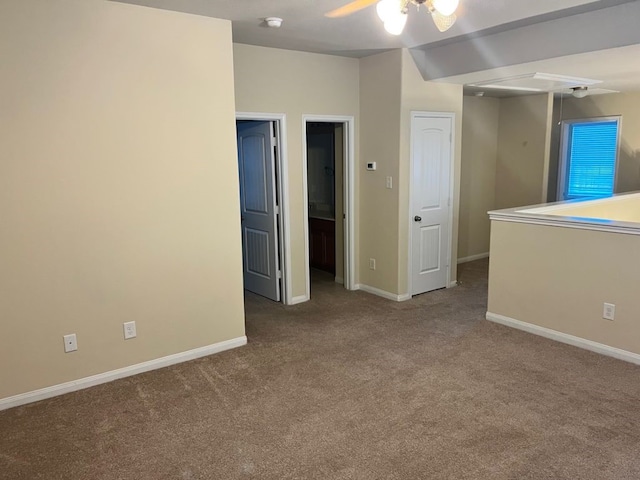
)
(349, 386)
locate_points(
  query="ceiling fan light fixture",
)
(395, 24)
(445, 7)
(387, 9)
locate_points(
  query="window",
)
(589, 156)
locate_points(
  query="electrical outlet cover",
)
(129, 330)
(70, 343)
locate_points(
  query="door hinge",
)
(274, 141)
(279, 274)
(277, 210)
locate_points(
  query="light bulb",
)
(396, 23)
(443, 23)
(387, 9)
(445, 7)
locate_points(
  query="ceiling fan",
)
(394, 12)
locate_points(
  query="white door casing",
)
(258, 208)
(430, 208)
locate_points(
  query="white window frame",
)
(564, 149)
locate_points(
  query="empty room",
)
(390, 239)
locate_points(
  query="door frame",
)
(348, 194)
(414, 116)
(282, 187)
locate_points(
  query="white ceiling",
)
(617, 68)
(306, 28)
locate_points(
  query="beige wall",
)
(118, 161)
(625, 104)
(478, 173)
(380, 85)
(391, 87)
(269, 80)
(559, 278)
(380, 91)
(524, 138)
(418, 95)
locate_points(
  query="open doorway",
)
(324, 185)
(264, 222)
(328, 162)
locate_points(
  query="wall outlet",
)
(609, 311)
(129, 330)
(389, 182)
(70, 343)
(372, 263)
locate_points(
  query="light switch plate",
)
(609, 311)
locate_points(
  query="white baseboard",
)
(299, 299)
(566, 338)
(339, 280)
(382, 293)
(74, 385)
(454, 283)
(471, 258)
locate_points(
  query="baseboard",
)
(339, 280)
(382, 293)
(299, 299)
(454, 283)
(74, 385)
(566, 338)
(471, 258)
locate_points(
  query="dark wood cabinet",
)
(322, 244)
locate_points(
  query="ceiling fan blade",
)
(443, 22)
(349, 8)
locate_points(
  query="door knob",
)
(417, 219)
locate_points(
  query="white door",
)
(430, 204)
(258, 208)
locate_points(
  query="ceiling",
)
(509, 31)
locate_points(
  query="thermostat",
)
(371, 165)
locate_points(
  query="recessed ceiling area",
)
(535, 82)
(617, 69)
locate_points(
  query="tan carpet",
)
(349, 386)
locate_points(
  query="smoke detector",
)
(579, 92)
(273, 22)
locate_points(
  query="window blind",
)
(592, 159)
